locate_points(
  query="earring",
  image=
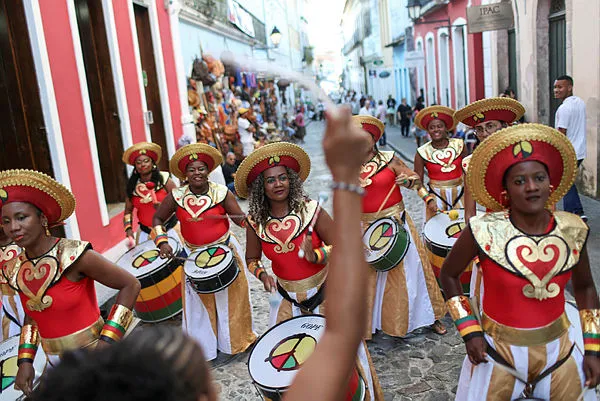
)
(551, 188)
(505, 199)
(45, 224)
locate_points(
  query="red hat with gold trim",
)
(52, 198)
(372, 125)
(271, 155)
(428, 114)
(516, 144)
(502, 109)
(191, 153)
(149, 149)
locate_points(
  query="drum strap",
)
(169, 224)
(529, 385)
(11, 317)
(308, 305)
(454, 201)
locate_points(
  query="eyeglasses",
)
(490, 128)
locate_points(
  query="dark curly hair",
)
(156, 178)
(259, 207)
(156, 363)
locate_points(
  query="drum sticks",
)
(322, 199)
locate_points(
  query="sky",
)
(324, 18)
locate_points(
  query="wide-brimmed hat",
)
(271, 155)
(242, 110)
(516, 144)
(149, 149)
(194, 152)
(428, 114)
(372, 125)
(503, 109)
(52, 198)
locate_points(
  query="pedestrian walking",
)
(246, 131)
(391, 109)
(419, 133)
(404, 113)
(381, 114)
(300, 125)
(570, 120)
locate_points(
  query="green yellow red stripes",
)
(112, 331)
(591, 343)
(161, 300)
(468, 325)
(27, 352)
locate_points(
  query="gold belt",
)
(80, 339)
(221, 240)
(305, 284)
(394, 210)
(525, 337)
(446, 183)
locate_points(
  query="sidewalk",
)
(406, 147)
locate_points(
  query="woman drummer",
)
(146, 189)
(441, 157)
(11, 313)
(280, 217)
(392, 309)
(527, 255)
(222, 320)
(55, 277)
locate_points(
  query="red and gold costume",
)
(523, 314)
(300, 283)
(146, 195)
(222, 320)
(65, 313)
(443, 165)
(12, 314)
(392, 309)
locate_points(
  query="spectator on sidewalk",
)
(381, 114)
(246, 131)
(229, 168)
(419, 133)
(391, 109)
(366, 109)
(404, 114)
(570, 120)
(300, 125)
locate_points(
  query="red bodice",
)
(379, 188)
(145, 210)
(74, 308)
(435, 171)
(443, 164)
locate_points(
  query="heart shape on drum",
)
(283, 231)
(539, 261)
(34, 279)
(143, 192)
(444, 157)
(196, 205)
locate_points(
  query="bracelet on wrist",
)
(590, 325)
(256, 268)
(344, 186)
(116, 324)
(322, 254)
(461, 312)
(158, 235)
(28, 344)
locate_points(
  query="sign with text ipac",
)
(490, 17)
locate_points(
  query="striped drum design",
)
(160, 297)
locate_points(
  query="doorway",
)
(150, 76)
(103, 101)
(23, 137)
(557, 44)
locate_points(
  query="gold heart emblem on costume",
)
(196, 205)
(143, 192)
(539, 261)
(282, 231)
(444, 157)
(35, 279)
(9, 252)
(367, 171)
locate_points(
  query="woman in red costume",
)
(146, 189)
(279, 217)
(12, 314)
(392, 309)
(441, 157)
(55, 276)
(222, 320)
(527, 256)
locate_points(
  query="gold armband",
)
(466, 323)
(116, 324)
(158, 235)
(256, 268)
(590, 325)
(127, 219)
(322, 254)
(28, 343)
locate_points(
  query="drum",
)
(281, 351)
(160, 296)
(9, 350)
(440, 233)
(386, 243)
(211, 268)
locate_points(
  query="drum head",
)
(281, 351)
(384, 238)
(207, 261)
(442, 231)
(144, 258)
(9, 350)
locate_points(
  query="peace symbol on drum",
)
(210, 257)
(145, 259)
(291, 352)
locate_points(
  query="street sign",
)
(490, 17)
(378, 62)
(384, 74)
(414, 59)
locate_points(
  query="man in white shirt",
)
(366, 109)
(570, 120)
(245, 130)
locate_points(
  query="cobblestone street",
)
(422, 366)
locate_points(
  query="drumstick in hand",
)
(322, 199)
